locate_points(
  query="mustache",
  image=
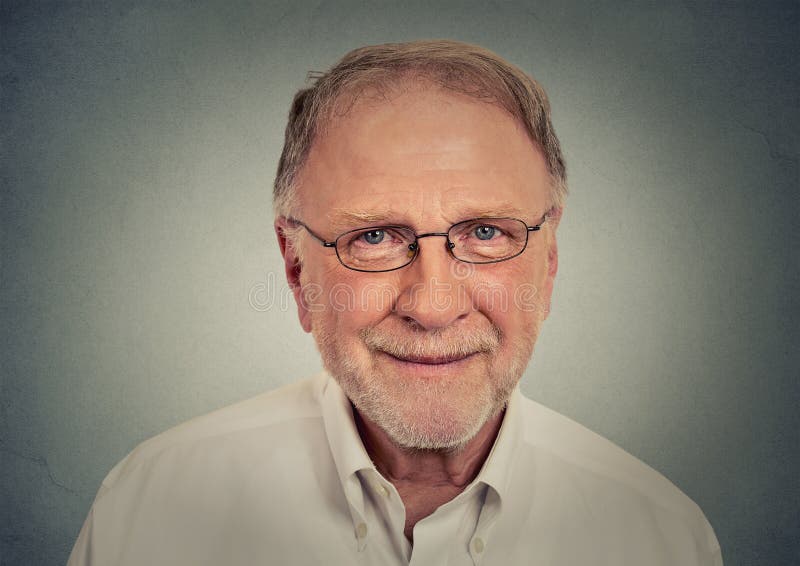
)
(436, 344)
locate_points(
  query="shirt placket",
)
(388, 511)
(355, 502)
(490, 511)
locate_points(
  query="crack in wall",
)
(775, 152)
(41, 462)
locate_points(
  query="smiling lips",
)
(432, 360)
(434, 348)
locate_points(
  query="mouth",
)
(431, 360)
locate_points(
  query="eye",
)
(373, 236)
(485, 232)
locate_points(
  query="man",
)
(417, 201)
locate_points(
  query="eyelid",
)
(400, 232)
(477, 223)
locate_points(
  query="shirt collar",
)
(499, 465)
(349, 454)
(347, 449)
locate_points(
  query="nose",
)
(433, 295)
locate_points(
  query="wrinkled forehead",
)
(422, 146)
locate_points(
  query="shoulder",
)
(607, 475)
(193, 494)
(579, 447)
(276, 411)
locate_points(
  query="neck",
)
(428, 468)
(426, 479)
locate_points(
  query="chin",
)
(424, 412)
(430, 419)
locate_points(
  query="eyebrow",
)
(342, 217)
(496, 211)
(345, 218)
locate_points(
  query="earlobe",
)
(293, 269)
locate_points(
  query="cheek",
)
(350, 301)
(375, 296)
(511, 295)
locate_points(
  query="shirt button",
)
(383, 491)
(477, 544)
(361, 530)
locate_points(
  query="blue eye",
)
(485, 232)
(374, 236)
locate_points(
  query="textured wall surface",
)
(141, 283)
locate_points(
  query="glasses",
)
(386, 248)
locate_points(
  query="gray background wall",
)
(142, 284)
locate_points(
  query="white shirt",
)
(284, 479)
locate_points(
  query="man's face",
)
(433, 350)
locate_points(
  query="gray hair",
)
(452, 65)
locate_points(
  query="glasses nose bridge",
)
(418, 237)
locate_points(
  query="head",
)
(422, 135)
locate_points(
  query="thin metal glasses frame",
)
(414, 246)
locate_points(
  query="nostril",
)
(412, 323)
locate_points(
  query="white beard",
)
(425, 413)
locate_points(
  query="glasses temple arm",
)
(538, 227)
(320, 239)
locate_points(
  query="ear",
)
(293, 268)
(553, 219)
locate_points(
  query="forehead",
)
(422, 151)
